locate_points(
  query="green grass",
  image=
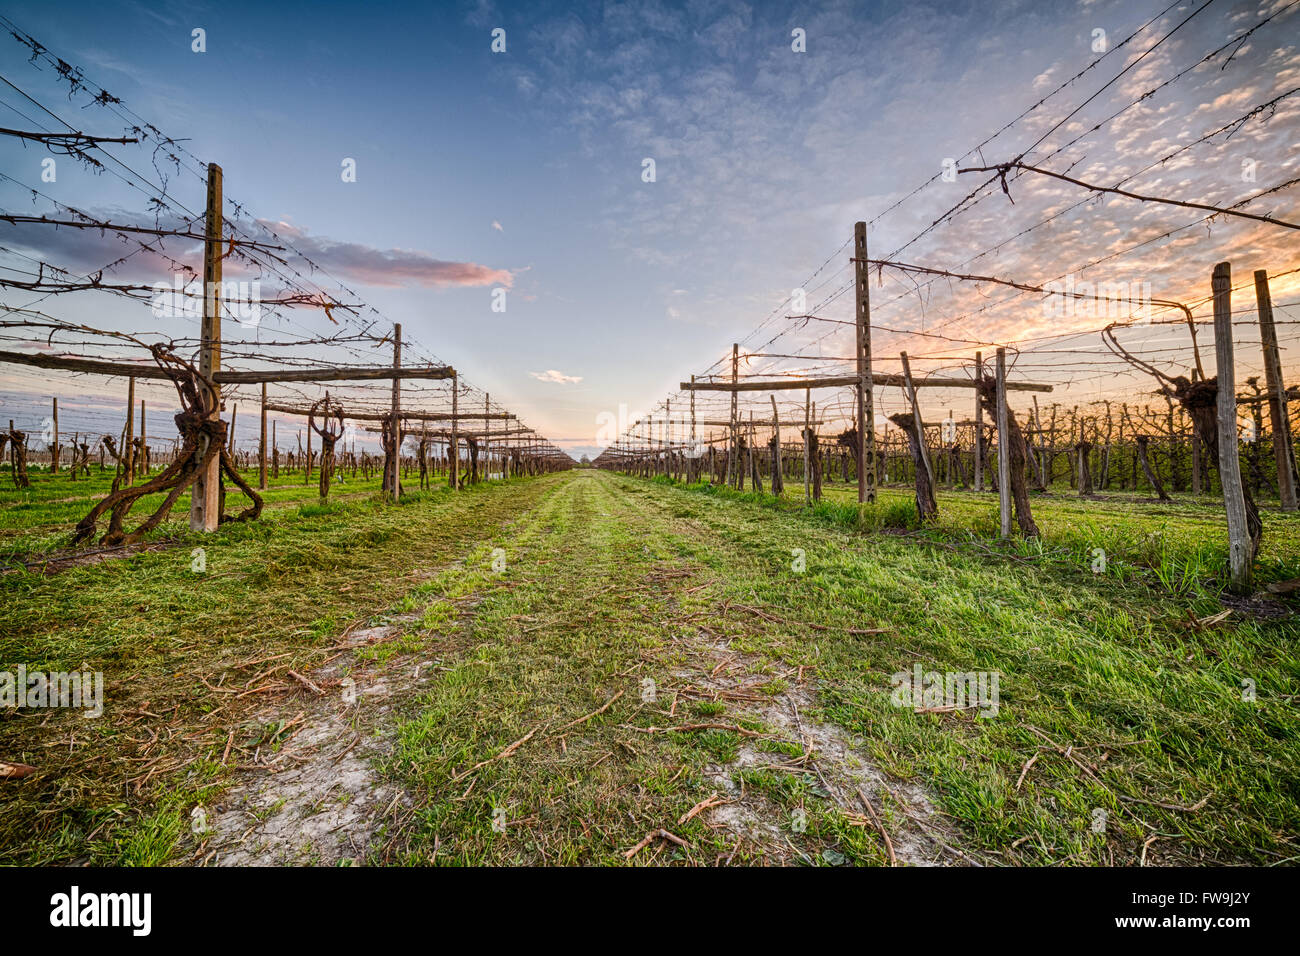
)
(611, 581)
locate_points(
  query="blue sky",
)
(526, 166)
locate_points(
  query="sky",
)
(771, 127)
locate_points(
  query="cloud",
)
(85, 251)
(558, 378)
(355, 262)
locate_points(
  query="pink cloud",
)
(354, 262)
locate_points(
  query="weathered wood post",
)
(866, 399)
(393, 461)
(733, 467)
(692, 468)
(128, 443)
(666, 444)
(1234, 497)
(261, 450)
(979, 425)
(807, 439)
(144, 443)
(918, 425)
(54, 448)
(1004, 446)
(1277, 401)
(205, 502)
(778, 480)
(453, 449)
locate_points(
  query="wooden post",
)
(667, 433)
(143, 463)
(487, 436)
(261, 453)
(732, 465)
(916, 417)
(275, 451)
(1234, 496)
(453, 450)
(778, 480)
(1042, 449)
(1277, 402)
(54, 449)
(807, 426)
(393, 471)
(205, 502)
(866, 398)
(1196, 459)
(128, 445)
(979, 425)
(693, 467)
(1004, 451)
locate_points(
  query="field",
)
(556, 669)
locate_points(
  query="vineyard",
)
(981, 549)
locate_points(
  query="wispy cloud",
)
(86, 251)
(355, 262)
(556, 377)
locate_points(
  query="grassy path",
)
(586, 668)
(1123, 734)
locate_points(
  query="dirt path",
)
(729, 727)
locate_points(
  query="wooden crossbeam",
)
(226, 376)
(842, 381)
(409, 416)
(721, 422)
(441, 433)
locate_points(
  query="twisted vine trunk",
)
(778, 483)
(1017, 451)
(926, 506)
(1142, 441)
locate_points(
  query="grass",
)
(537, 741)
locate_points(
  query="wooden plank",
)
(225, 377)
(408, 416)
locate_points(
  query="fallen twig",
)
(880, 827)
(660, 834)
(583, 720)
